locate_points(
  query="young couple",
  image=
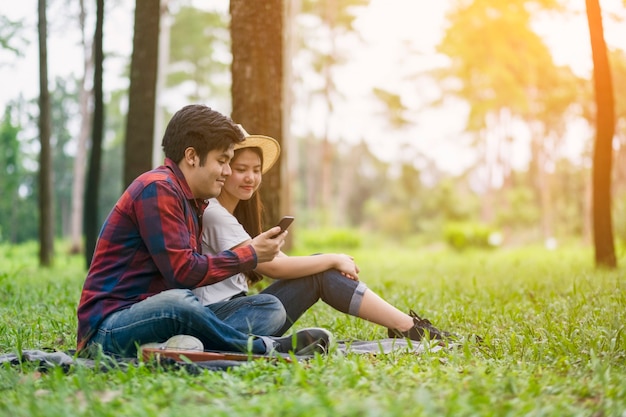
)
(174, 257)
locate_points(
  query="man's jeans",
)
(219, 327)
(239, 324)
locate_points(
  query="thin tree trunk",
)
(46, 196)
(605, 129)
(92, 192)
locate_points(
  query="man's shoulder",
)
(157, 176)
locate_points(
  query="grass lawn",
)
(553, 330)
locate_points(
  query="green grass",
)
(553, 329)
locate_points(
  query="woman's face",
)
(246, 174)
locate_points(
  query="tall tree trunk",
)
(92, 192)
(142, 91)
(257, 86)
(46, 196)
(80, 161)
(605, 129)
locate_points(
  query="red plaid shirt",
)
(149, 243)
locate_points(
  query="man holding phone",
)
(148, 256)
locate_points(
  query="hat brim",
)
(270, 148)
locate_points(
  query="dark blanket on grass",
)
(46, 360)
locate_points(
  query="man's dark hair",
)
(199, 127)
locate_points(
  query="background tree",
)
(333, 19)
(257, 83)
(11, 38)
(618, 75)
(603, 148)
(85, 95)
(142, 90)
(506, 74)
(198, 47)
(63, 111)
(10, 176)
(92, 191)
(46, 195)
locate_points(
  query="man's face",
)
(207, 181)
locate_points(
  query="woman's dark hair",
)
(250, 213)
(199, 127)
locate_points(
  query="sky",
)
(379, 60)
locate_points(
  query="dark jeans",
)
(298, 295)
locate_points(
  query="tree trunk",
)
(257, 85)
(80, 161)
(142, 91)
(92, 192)
(46, 196)
(605, 129)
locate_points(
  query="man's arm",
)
(168, 229)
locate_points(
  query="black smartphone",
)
(283, 224)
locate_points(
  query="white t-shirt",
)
(221, 231)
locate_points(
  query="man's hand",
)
(267, 248)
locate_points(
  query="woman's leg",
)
(298, 295)
(377, 310)
(341, 293)
(167, 314)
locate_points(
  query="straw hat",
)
(269, 147)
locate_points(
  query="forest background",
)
(469, 127)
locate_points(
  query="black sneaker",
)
(419, 330)
(304, 342)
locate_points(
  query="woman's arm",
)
(289, 267)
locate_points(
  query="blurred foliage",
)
(466, 235)
(619, 222)
(199, 54)
(327, 240)
(410, 200)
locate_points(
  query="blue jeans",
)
(172, 312)
(241, 324)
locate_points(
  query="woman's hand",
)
(346, 265)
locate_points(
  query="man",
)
(148, 255)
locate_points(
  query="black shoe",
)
(422, 328)
(304, 342)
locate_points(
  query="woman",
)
(235, 215)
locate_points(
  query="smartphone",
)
(283, 224)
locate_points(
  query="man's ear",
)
(191, 157)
